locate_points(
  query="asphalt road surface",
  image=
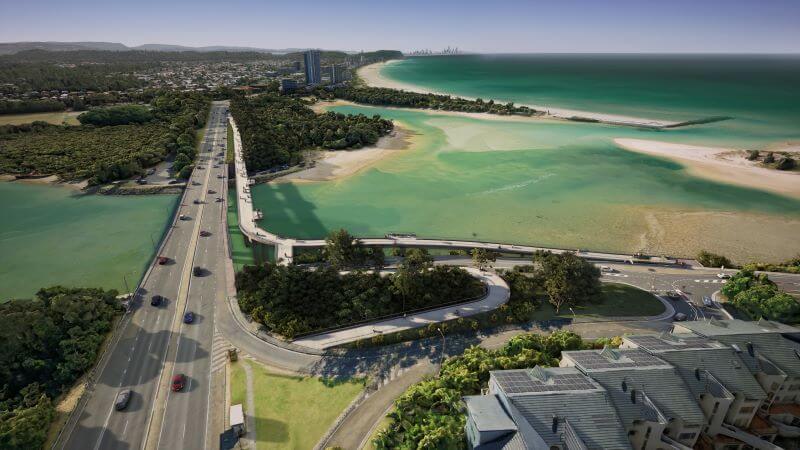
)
(136, 361)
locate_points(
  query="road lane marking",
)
(177, 325)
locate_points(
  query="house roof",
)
(778, 343)
(649, 376)
(692, 353)
(714, 328)
(488, 413)
(573, 399)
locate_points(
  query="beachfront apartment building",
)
(311, 58)
(727, 392)
(655, 406)
(721, 385)
(771, 352)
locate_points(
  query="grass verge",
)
(56, 118)
(241, 253)
(292, 412)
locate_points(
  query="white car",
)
(607, 269)
(723, 276)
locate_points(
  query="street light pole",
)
(125, 280)
(443, 343)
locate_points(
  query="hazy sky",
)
(753, 26)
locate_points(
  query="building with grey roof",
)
(649, 394)
(723, 386)
(771, 351)
(543, 408)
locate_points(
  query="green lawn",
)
(292, 412)
(619, 300)
(240, 253)
(57, 118)
(229, 153)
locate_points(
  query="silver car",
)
(123, 398)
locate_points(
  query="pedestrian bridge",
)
(284, 246)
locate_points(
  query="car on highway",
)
(156, 300)
(178, 382)
(707, 301)
(205, 233)
(122, 400)
(197, 271)
(218, 200)
(162, 260)
(607, 269)
(188, 317)
(723, 276)
(211, 191)
(197, 202)
(184, 217)
(680, 317)
(195, 183)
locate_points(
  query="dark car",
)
(205, 233)
(197, 271)
(178, 382)
(162, 260)
(156, 300)
(188, 317)
(218, 200)
(123, 398)
(211, 191)
(196, 202)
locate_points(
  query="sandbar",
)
(724, 165)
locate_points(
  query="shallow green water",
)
(50, 235)
(553, 183)
(557, 184)
(759, 92)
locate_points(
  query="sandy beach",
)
(51, 180)
(371, 74)
(335, 165)
(719, 164)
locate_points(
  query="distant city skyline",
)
(516, 26)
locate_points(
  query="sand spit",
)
(725, 165)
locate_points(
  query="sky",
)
(510, 26)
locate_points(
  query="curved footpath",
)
(497, 294)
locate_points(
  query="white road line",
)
(125, 428)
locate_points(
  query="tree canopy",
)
(568, 279)
(116, 115)
(275, 129)
(103, 154)
(429, 415)
(758, 297)
(48, 342)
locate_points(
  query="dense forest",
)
(30, 106)
(23, 77)
(394, 97)
(275, 129)
(48, 343)
(430, 415)
(116, 115)
(105, 153)
(291, 300)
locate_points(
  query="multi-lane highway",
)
(154, 342)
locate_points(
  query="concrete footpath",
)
(498, 294)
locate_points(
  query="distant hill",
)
(9, 48)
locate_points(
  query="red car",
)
(178, 382)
